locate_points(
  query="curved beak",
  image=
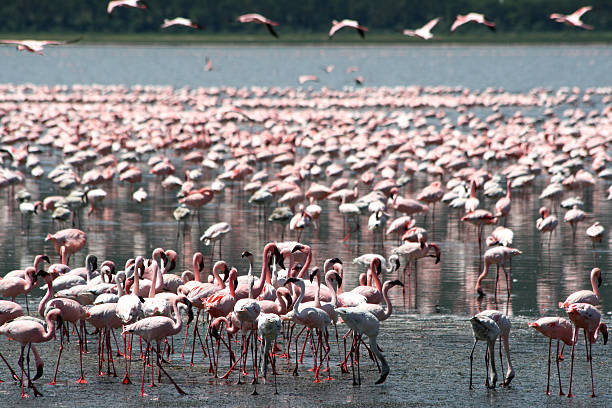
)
(297, 248)
(338, 279)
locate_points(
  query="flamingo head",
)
(41, 258)
(377, 266)
(171, 259)
(298, 248)
(278, 256)
(596, 272)
(394, 259)
(396, 282)
(291, 280)
(543, 212)
(246, 254)
(436, 251)
(603, 329)
(314, 272)
(189, 305)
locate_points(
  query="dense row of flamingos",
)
(332, 151)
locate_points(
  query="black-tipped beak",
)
(164, 258)
(599, 281)
(46, 259)
(437, 258)
(41, 274)
(225, 274)
(215, 333)
(245, 254)
(142, 300)
(39, 372)
(396, 283)
(296, 248)
(60, 321)
(189, 310)
(336, 261)
(397, 264)
(291, 280)
(312, 275)
(171, 266)
(289, 300)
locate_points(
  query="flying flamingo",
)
(554, 328)
(475, 17)
(181, 21)
(496, 256)
(337, 25)
(484, 328)
(573, 19)
(34, 46)
(27, 332)
(157, 328)
(423, 32)
(363, 322)
(259, 19)
(586, 317)
(586, 296)
(125, 3)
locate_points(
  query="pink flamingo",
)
(586, 296)
(423, 32)
(27, 332)
(377, 310)
(475, 17)
(372, 294)
(586, 317)
(13, 286)
(480, 218)
(504, 324)
(500, 236)
(554, 328)
(72, 312)
(125, 3)
(71, 240)
(104, 318)
(574, 216)
(20, 273)
(573, 19)
(546, 222)
(181, 21)
(259, 19)
(338, 25)
(503, 205)
(157, 328)
(221, 304)
(595, 233)
(486, 329)
(496, 256)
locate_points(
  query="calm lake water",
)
(428, 341)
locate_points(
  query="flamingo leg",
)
(558, 370)
(471, 363)
(59, 355)
(575, 338)
(548, 375)
(591, 364)
(159, 365)
(15, 377)
(144, 368)
(81, 379)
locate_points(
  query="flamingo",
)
(496, 256)
(216, 232)
(125, 3)
(546, 222)
(573, 217)
(480, 218)
(595, 233)
(573, 19)
(554, 328)
(181, 21)
(157, 328)
(377, 310)
(337, 25)
(27, 332)
(259, 19)
(504, 324)
(363, 322)
(586, 296)
(140, 195)
(14, 286)
(314, 319)
(475, 17)
(302, 79)
(104, 318)
(503, 205)
(500, 235)
(372, 294)
(413, 251)
(72, 312)
(586, 317)
(268, 327)
(71, 240)
(423, 32)
(484, 328)
(35, 46)
(347, 299)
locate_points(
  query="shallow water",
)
(428, 340)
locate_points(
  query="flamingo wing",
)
(271, 30)
(578, 13)
(431, 24)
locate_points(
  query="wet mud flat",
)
(428, 356)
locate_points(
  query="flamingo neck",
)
(121, 288)
(376, 279)
(217, 277)
(317, 296)
(296, 305)
(45, 299)
(63, 255)
(178, 322)
(136, 285)
(340, 271)
(389, 309)
(196, 269)
(154, 279)
(29, 282)
(306, 264)
(265, 272)
(232, 288)
(50, 319)
(594, 285)
(333, 289)
(280, 304)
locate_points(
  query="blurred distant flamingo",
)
(423, 32)
(337, 25)
(574, 216)
(595, 233)
(67, 242)
(259, 19)
(125, 3)
(181, 21)
(573, 19)
(34, 46)
(496, 256)
(546, 223)
(503, 205)
(475, 17)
